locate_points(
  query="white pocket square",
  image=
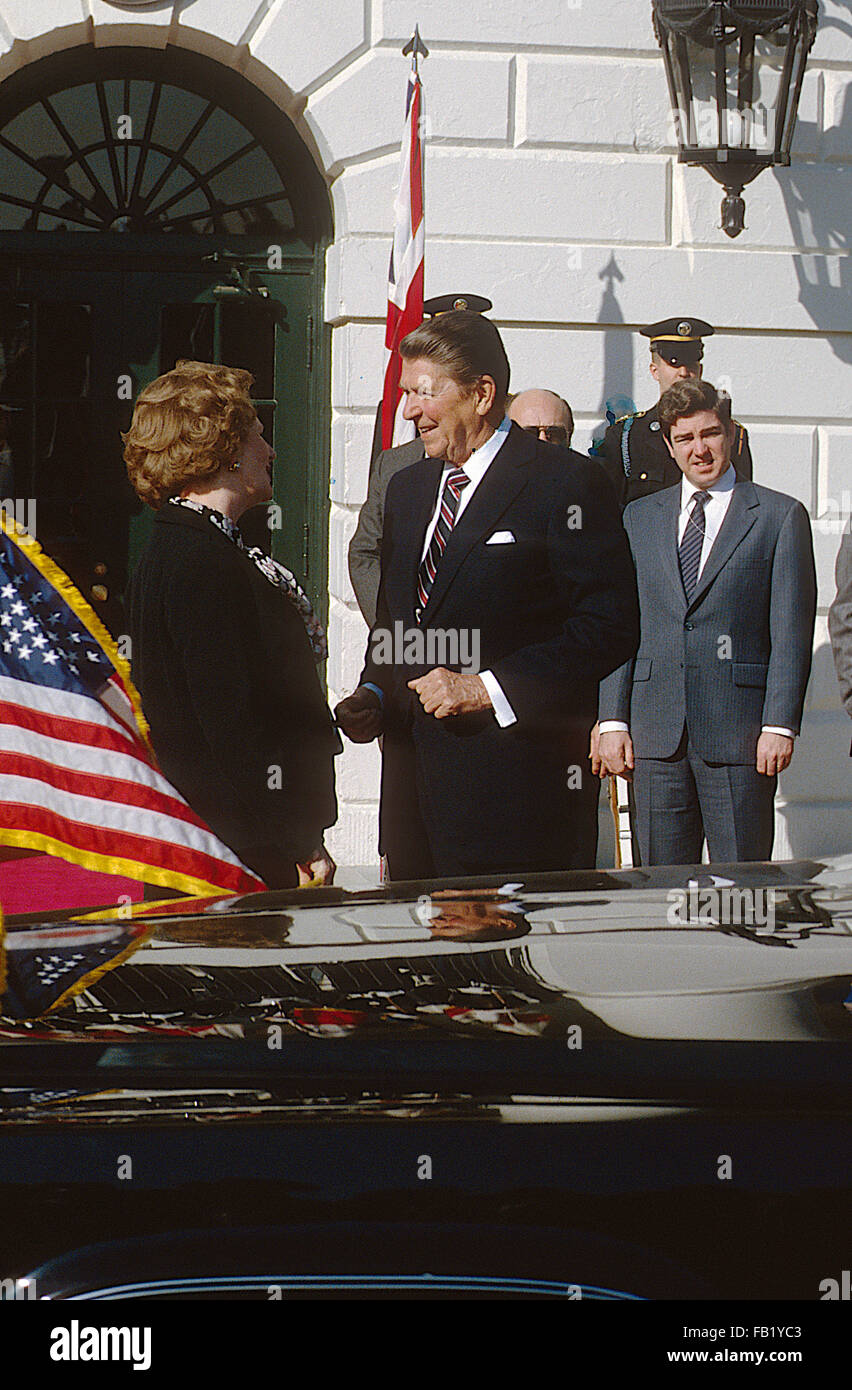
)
(501, 538)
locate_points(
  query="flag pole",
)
(405, 272)
(417, 48)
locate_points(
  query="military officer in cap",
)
(365, 548)
(445, 303)
(632, 450)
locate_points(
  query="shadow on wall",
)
(816, 819)
(826, 220)
(617, 388)
(618, 348)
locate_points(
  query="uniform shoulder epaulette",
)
(632, 415)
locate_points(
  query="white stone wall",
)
(552, 187)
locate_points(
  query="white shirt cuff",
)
(503, 712)
(613, 726)
(774, 729)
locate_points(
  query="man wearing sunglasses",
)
(543, 414)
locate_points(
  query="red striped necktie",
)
(456, 481)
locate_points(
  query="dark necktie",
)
(456, 481)
(689, 553)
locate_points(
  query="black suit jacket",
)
(554, 610)
(230, 689)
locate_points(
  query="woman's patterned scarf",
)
(271, 570)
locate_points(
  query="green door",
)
(144, 197)
(77, 346)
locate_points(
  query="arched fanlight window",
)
(147, 142)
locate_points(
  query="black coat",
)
(555, 610)
(651, 466)
(230, 689)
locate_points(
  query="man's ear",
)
(485, 390)
(668, 444)
(652, 368)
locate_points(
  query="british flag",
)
(405, 275)
(78, 778)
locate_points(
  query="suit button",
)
(643, 476)
(689, 626)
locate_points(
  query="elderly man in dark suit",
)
(493, 546)
(365, 547)
(705, 715)
(840, 620)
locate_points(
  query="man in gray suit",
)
(840, 620)
(704, 716)
(365, 547)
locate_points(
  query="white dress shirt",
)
(715, 511)
(476, 468)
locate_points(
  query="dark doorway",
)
(153, 206)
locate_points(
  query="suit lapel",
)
(421, 495)
(739, 519)
(668, 500)
(503, 480)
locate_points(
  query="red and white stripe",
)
(405, 276)
(74, 770)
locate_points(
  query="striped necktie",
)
(689, 551)
(456, 481)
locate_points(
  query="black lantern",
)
(735, 71)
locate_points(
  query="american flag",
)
(43, 966)
(78, 778)
(405, 276)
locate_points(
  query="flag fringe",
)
(89, 859)
(127, 868)
(50, 571)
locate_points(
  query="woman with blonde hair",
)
(225, 643)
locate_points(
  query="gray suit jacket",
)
(365, 548)
(738, 655)
(840, 619)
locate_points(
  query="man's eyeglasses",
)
(554, 434)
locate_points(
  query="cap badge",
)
(684, 328)
(459, 303)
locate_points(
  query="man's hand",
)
(360, 715)
(616, 754)
(318, 869)
(774, 752)
(598, 769)
(444, 692)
